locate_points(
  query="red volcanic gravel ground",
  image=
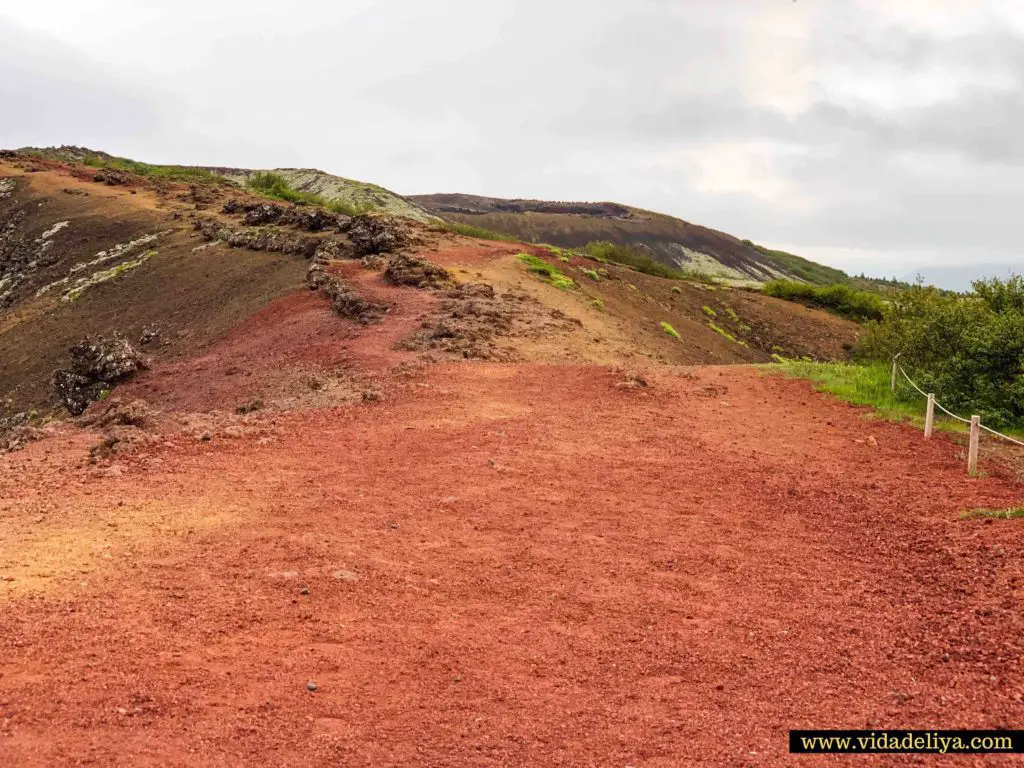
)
(507, 565)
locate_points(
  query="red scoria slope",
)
(506, 565)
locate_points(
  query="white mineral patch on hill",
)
(339, 189)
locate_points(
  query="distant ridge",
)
(670, 240)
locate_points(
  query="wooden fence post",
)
(929, 417)
(972, 450)
(894, 374)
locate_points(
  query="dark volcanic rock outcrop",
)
(377, 233)
(420, 273)
(96, 364)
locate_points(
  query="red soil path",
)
(507, 565)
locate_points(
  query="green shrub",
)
(709, 311)
(591, 273)
(722, 332)
(274, 185)
(548, 273)
(667, 328)
(839, 299)
(676, 289)
(967, 349)
(172, 172)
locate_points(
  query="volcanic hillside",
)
(284, 486)
(177, 261)
(671, 241)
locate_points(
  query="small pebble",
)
(310, 686)
(304, 591)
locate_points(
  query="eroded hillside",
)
(210, 285)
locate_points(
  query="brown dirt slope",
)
(190, 296)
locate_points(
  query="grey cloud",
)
(571, 100)
(51, 93)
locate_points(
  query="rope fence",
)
(929, 419)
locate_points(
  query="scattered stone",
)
(134, 414)
(16, 432)
(234, 206)
(105, 448)
(346, 302)
(112, 178)
(309, 218)
(249, 407)
(409, 270)
(377, 233)
(265, 213)
(472, 319)
(304, 591)
(150, 335)
(314, 219)
(311, 686)
(343, 575)
(633, 380)
(259, 239)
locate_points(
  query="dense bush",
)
(839, 299)
(968, 350)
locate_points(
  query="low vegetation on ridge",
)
(636, 258)
(170, 172)
(468, 230)
(274, 185)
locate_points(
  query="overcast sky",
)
(877, 135)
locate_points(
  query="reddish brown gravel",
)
(507, 565)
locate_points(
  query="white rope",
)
(911, 381)
(937, 403)
(1000, 434)
(950, 413)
